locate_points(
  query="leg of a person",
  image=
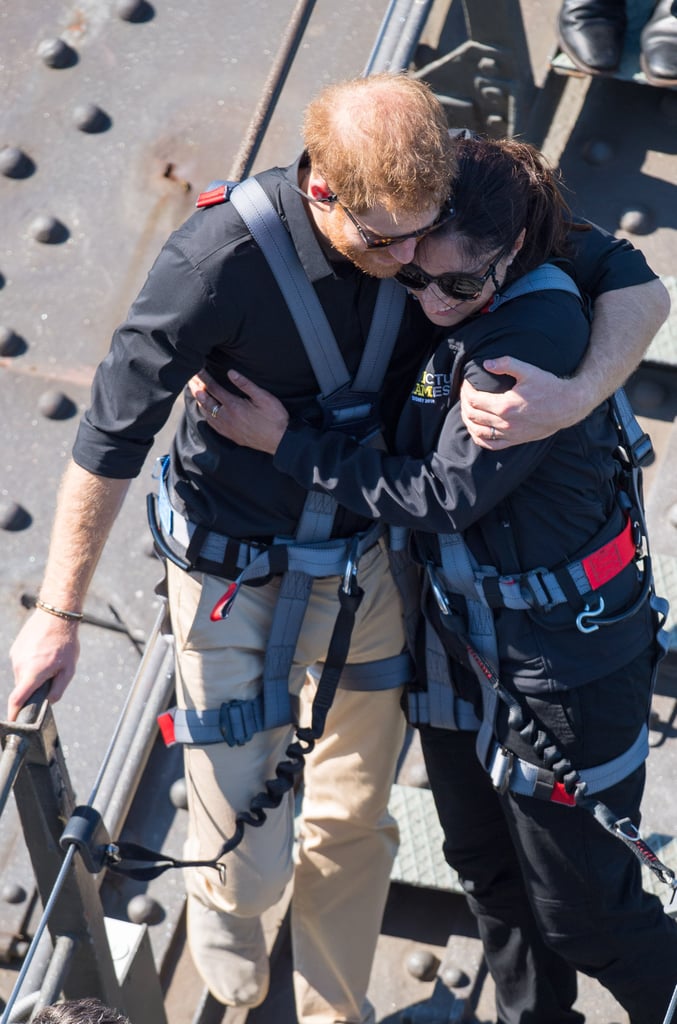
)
(533, 984)
(584, 884)
(217, 662)
(348, 840)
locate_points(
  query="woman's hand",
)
(257, 421)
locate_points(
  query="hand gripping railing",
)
(32, 765)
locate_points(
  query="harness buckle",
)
(534, 590)
(589, 613)
(440, 596)
(501, 769)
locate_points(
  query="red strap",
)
(559, 795)
(605, 563)
(166, 723)
(222, 606)
(213, 197)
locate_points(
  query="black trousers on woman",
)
(552, 891)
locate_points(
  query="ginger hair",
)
(381, 140)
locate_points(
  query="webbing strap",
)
(285, 627)
(459, 566)
(267, 230)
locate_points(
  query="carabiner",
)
(350, 575)
(589, 613)
(440, 596)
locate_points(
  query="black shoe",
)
(659, 45)
(592, 32)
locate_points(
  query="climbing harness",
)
(347, 403)
(471, 635)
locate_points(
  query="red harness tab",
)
(605, 563)
(559, 795)
(223, 605)
(213, 197)
(166, 723)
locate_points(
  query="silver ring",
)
(215, 411)
(492, 432)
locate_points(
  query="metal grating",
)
(420, 860)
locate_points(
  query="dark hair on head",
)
(502, 186)
(79, 1011)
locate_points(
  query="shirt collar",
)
(310, 252)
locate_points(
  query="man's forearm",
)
(86, 509)
(623, 326)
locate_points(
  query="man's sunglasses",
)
(372, 241)
(462, 287)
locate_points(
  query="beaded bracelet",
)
(59, 612)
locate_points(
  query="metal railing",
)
(32, 766)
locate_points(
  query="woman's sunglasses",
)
(462, 287)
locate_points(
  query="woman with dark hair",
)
(537, 605)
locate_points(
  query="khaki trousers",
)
(347, 839)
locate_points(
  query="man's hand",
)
(538, 404)
(46, 648)
(257, 421)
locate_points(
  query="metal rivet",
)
(597, 152)
(495, 121)
(13, 517)
(453, 977)
(134, 10)
(422, 964)
(11, 343)
(487, 65)
(143, 909)
(56, 406)
(14, 163)
(636, 220)
(13, 893)
(90, 118)
(56, 53)
(48, 230)
(178, 794)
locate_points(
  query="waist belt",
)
(545, 588)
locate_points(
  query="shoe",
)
(592, 33)
(658, 43)
(229, 954)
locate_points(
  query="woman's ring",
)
(216, 409)
(492, 432)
